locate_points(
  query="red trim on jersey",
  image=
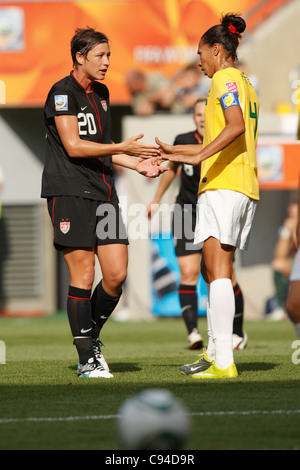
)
(95, 108)
(97, 111)
(109, 196)
(98, 117)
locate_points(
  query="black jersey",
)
(190, 174)
(84, 177)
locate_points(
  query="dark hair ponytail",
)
(228, 33)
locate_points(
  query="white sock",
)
(222, 309)
(297, 328)
(210, 350)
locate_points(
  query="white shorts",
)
(226, 215)
(295, 271)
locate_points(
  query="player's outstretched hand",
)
(150, 168)
(135, 148)
(179, 153)
(166, 150)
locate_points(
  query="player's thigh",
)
(81, 265)
(113, 259)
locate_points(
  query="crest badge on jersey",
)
(61, 102)
(65, 226)
(104, 105)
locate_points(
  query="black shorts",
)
(183, 228)
(83, 223)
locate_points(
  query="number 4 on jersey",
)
(254, 115)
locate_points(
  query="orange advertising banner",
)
(278, 164)
(149, 35)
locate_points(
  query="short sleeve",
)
(226, 90)
(60, 102)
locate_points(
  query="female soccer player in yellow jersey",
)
(228, 188)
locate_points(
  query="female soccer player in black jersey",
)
(82, 201)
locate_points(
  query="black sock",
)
(80, 319)
(189, 306)
(239, 311)
(103, 305)
(84, 348)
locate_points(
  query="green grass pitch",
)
(44, 406)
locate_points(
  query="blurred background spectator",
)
(151, 92)
(192, 86)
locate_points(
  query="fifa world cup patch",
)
(229, 99)
(64, 226)
(61, 102)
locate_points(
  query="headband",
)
(232, 29)
(88, 46)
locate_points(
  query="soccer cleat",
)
(239, 342)
(195, 340)
(92, 370)
(214, 372)
(98, 354)
(201, 364)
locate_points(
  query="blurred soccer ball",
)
(153, 420)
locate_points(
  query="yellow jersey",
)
(235, 166)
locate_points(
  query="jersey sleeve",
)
(60, 102)
(226, 91)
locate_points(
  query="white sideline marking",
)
(99, 417)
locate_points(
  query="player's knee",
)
(189, 276)
(88, 276)
(121, 276)
(116, 278)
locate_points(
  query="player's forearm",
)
(125, 160)
(189, 150)
(86, 149)
(225, 138)
(283, 246)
